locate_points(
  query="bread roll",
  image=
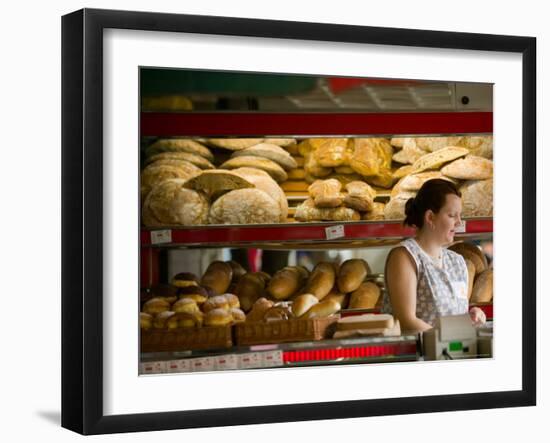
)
(258, 310)
(376, 213)
(302, 303)
(160, 319)
(217, 182)
(307, 211)
(245, 206)
(218, 317)
(238, 315)
(249, 289)
(156, 305)
(216, 302)
(323, 309)
(326, 193)
(270, 151)
(218, 276)
(333, 152)
(145, 320)
(370, 155)
(351, 274)
(360, 196)
(471, 275)
(232, 300)
(341, 298)
(313, 168)
(169, 203)
(185, 305)
(321, 280)
(365, 297)
(285, 282)
(199, 299)
(482, 291)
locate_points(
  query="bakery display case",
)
(268, 191)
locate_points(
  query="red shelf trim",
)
(297, 232)
(308, 124)
(367, 351)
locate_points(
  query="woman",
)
(424, 279)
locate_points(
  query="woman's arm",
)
(401, 281)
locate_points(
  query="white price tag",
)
(178, 366)
(250, 360)
(333, 232)
(202, 364)
(229, 361)
(461, 228)
(162, 236)
(154, 367)
(272, 358)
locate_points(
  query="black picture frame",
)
(82, 218)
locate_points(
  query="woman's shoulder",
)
(400, 256)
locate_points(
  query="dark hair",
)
(432, 196)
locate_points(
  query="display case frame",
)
(82, 221)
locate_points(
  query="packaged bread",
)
(234, 144)
(324, 308)
(482, 291)
(376, 213)
(179, 145)
(245, 206)
(249, 289)
(146, 320)
(285, 282)
(218, 317)
(326, 193)
(365, 321)
(185, 305)
(218, 276)
(302, 303)
(194, 159)
(307, 211)
(258, 309)
(370, 155)
(156, 305)
(434, 160)
(321, 280)
(169, 203)
(477, 198)
(249, 161)
(351, 274)
(360, 196)
(270, 151)
(263, 181)
(332, 152)
(470, 167)
(216, 182)
(471, 275)
(365, 296)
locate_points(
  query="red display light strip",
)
(367, 351)
(163, 124)
(298, 232)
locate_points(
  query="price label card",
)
(155, 367)
(461, 228)
(162, 236)
(229, 361)
(333, 232)
(250, 360)
(202, 364)
(272, 358)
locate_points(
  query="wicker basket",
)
(185, 339)
(284, 331)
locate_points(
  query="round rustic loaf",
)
(233, 144)
(157, 173)
(271, 152)
(169, 203)
(245, 206)
(477, 198)
(195, 159)
(269, 166)
(179, 145)
(216, 182)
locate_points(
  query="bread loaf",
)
(258, 310)
(218, 276)
(270, 151)
(302, 303)
(403, 171)
(249, 161)
(245, 206)
(370, 155)
(365, 297)
(169, 203)
(313, 168)
(297, 174)
(376, 213)
(332, 153)
(307, 211)
(179, 145)
(395, 208)
(154, 174)
(471, 275)
(477, 198)
(471, 252)
(435, 160)
(483, 287)
(217, 182)
(470, 167)
(432, 144)
(413, 182)
(277, 313)
(326, 193)
(146, 320)
(195, 159)
(410, 152)
(397, 142)
(234, 144)
(285, 282)
(351, 274)
(321, 280)
(238, 270)
(283, 142)
(338, 297)
(322, 309)
(249, 289)
(360, 196)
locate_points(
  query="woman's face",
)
(444, 224)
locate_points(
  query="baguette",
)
(321, 280)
